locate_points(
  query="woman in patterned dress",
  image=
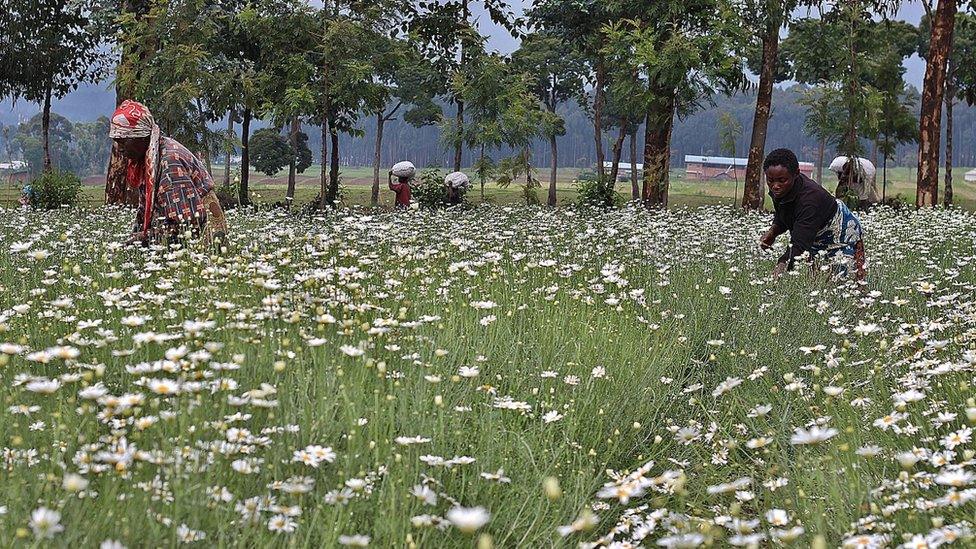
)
(176, 193)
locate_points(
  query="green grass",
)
(357, 182)
(620, 325)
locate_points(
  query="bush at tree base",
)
(430, 191)
(55, 189)
(597, 193)
(228, 193)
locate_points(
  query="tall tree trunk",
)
(884, 177)
(296, 126)
(634, 188)
(598, 101)
(459, 146)
(243, 196)
(463, 57)
(204, 142)
(230, 147)
(950, 93)
(46, 129)
(657, 151)
(618, 148)
(551, 199)
(374, 198)
(820, 161)
(752, 196)
(482, 177)
(933, 87)
(324, 174)
(334, 164)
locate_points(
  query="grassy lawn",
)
(356, 183)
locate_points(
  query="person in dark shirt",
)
(818, 223)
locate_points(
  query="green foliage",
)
(428, 190)
(687, 53)
(592, 191)
(49, 47)
(824, 113)
(303, 156)
(729, 130)
(80, 147)
(856, 62)
(269, 151)
(517, 169)
(484, 169)
(229, 190)
(501, 109)
(54, 189)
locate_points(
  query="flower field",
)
(498, 377)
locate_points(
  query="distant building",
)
(970, 176)
(624, 169)
(14, 172)
(724, 167)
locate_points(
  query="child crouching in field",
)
(817, 222)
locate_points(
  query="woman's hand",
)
(766, 240)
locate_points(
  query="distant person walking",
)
(404, 172)
(817, 222)
(176, 193)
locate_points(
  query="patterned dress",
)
(184, 196)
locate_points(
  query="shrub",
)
(898, 202)
(228, 193)
(597, 193)
(55, 189)
(429, 191)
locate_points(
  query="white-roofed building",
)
(724, 167)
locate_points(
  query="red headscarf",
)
(133, 119)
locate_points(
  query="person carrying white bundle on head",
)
(456, 183)
(855, 177)
(404, 172)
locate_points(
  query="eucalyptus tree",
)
(680, 56)
(556, 75)
(960, 81)
(942, 25)
(48, 48)
(450, 40)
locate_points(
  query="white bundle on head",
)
(864, 166)
(457, 180)
(403, 169)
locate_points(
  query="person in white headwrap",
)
(855, 177)
(176, 193)
(457, 184)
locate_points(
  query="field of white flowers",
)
(501, 377)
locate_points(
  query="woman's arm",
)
(766, 240)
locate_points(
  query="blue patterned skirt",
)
(842, 240)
